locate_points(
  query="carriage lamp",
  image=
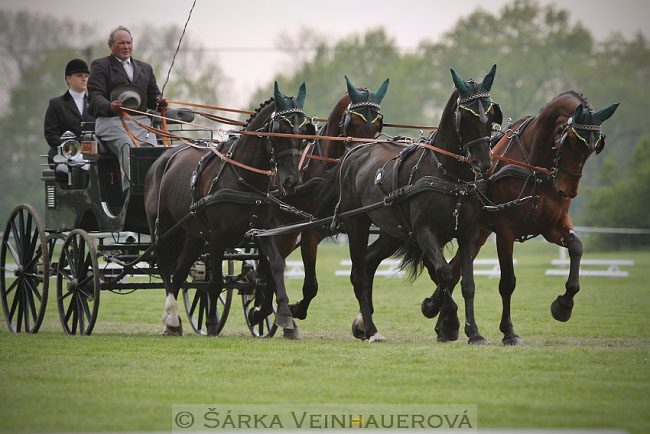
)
(69, 147)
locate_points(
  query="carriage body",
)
(96, 203)
(92, 237)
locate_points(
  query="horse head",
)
(474, 114)
(575, 140)
(288, 118)
(362, 117)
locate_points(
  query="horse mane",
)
(572, 93)
(256, 112)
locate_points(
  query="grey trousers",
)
(112, 133)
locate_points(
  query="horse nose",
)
(481, 167)
(289, 185)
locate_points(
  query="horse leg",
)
(183, 263)
(455, 264)
(507, 284)
(170, 319)
(358, 232)
(308, 249)
(440, 273)
(467, 249)
(562, 307)
(214, 290)
(448, 326)
(275, 262)
(382, 248)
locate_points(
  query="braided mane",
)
(577, 95)
(257, 111)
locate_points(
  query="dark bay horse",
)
(232, 199)
(419, 198)
(357, 114)
(560, 138)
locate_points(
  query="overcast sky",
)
(239, 30)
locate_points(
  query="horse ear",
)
(378, 96)
(486, 84)
(354, 93)
(460, 84)
(279, 99)
(577, 113)
(302, 94)
(606, 113)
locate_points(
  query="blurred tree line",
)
(34, 50)
(539, 53)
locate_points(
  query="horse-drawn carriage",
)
(419, 196)
(93, 237)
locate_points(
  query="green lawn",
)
(590, 372)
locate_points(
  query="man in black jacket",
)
(68, 111)
(113, 79)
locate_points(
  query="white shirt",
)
(78, 99)
(128, 67)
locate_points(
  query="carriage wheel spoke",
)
(32, 306)
(35, 257)
(25, 310)
(65, 274)
(197, 298)
(11, 288)
(32, 243)
(19, 320)
(14, 305)
(86, 309)
(80, 316)
(70, 260)
(12, 251)
(80, 253)
(201, 309)
(70, 308)
(75, 314)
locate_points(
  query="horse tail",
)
(412, 259)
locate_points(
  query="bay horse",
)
(562, 136)
(420, 199)
(356, 114)
(193, 200)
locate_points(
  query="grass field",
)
(590, 372)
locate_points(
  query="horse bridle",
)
(466, 147)
(292, 114)
(593, 144)
(371, 106)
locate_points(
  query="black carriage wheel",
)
(266, 328)
(25, 271)
(196, 303)
(77, 284)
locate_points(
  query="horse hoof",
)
(297, 312)
(173, 331)
(560, 310)
(429, 309)
(358, 331)
(477, 340)
(512, 340)
(212, 330)
(284, 321)
(377, 337)
(292, 334)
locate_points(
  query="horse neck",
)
(335, 148)
(252, 150)
(539, 140)
(446, 138)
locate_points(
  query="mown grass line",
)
(589, 372)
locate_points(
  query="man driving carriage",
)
(120, 80)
